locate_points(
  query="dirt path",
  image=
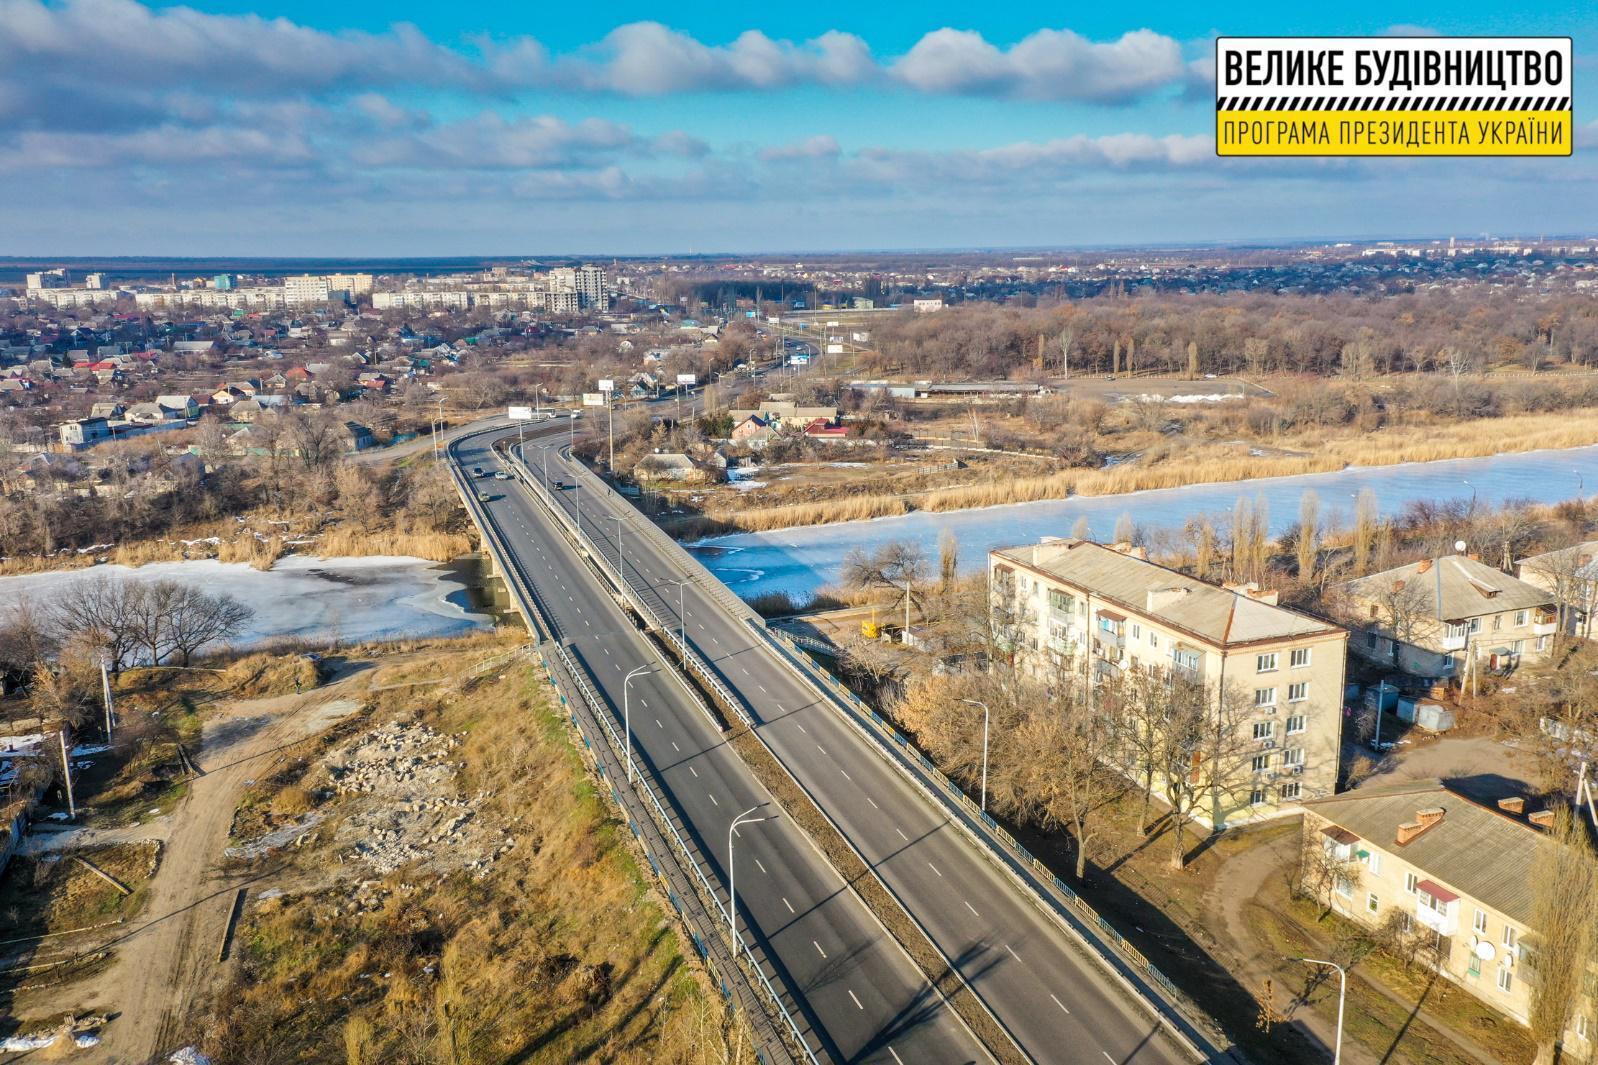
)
(167, 963)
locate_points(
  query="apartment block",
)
(1457, 873)
(1106, 609)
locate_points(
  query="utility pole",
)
(610, 409)
(66, 774)
(627, 716)
(621, 561)
(105, 689)
(682, 620)
(1342, 990)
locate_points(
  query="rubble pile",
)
(412, 811)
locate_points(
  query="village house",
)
(1436, 864)
(1440, 617)
(1103, 609)
(1570, 576)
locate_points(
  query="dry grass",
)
(258, 675)
(558, 952)
(421, 543)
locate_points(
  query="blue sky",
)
(431, 129)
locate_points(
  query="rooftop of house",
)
(1218, 615)
(1577, 560)
(1478, 851)
(1453, 587)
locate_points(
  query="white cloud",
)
(1047, 65)
(820, 146)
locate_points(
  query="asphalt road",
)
(1060, 1005)
(863, 999)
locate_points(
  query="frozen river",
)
(801, 560)
(318, 599)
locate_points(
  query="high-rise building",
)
(306, 288)
(95, 281)
(222, 282)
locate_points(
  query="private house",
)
(667, 466)
(358, 437)
(1570, 576)
(1459, 874)
(85, 432)
(820, 430)
(752, 430)
(782, 414)
(183, 406)
(1440, 617)
(1103, 609)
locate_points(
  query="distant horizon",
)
(17, 261)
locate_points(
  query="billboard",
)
(607, 385)
(687, 379)
(521, 414)
(593, 399)
(798, 360)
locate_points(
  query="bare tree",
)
(1565, 915)
(1365, 521)
(198, 619)
(1321, 872)
(1308, 535)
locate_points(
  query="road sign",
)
(607, 385)
(521, 414)
(687, 379)
(593, 399)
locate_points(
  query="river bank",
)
(800, 561)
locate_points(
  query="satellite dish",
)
(1460, 545)
(1485, 950)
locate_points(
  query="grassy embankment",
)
(1175, 465)
(557, 951)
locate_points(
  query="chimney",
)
(1513, 805)
(1542, 818)
(1424, 821)
(1425, 566)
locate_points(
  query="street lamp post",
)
(985, 718)
(732, 875)
(1342, 989)
(545, 449)
(682, 619)
(627, 716)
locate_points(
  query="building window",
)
(1509, 937)
(1293, 756)
(1137, 631)
(1297, 693)
(1542, 643)
(1264, 730)
(1344, 887)
(1506, 980)
(1479, 922)
(1448, 661)
(1188, 660)
(1473, 969)
(1410, 880)
(1289, 791)
(1154, 640)
(1295, 724)
(1520, 618)
(1519, 646)
(1060, 602)
(1265, 663)
(1299, 658)
(1406, 922)
(1264, 696)
(1581, 1026)
(1262, 762)
(1256, 797)
(1498, 622)
(1373, 862)
(1372, 903)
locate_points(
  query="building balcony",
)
(1544, 628)
(1436, 908)
(1455, 643)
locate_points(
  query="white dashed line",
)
(658, 724)
(873, 803)
(896, 1056)
(856, 1000)
(762, 868)
(801, 727)
(713, 801)
(694, 771)
(820, 748)
(846, 776)
(788, 904)
(1013, 954)
(819, 951)
(1060, 1004)
(901, 834)
(935, 870)
(972, 908)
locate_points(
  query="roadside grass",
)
(52, 893)
(556, 951)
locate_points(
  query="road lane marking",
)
(658, 724)
(820, 748)
(713, 801)
(675, 747)
(901, 834)
(762, 687)
(788, 904)
(856, 1000)
(762, 868)
(873, 803)
(846, 775)
(819, 951)
(896, 1056)
(1107, 1057)
(1060, 1004)
(972, 908)
(935, 870)
(1013, 954)
(801, 727)
(694, 771)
